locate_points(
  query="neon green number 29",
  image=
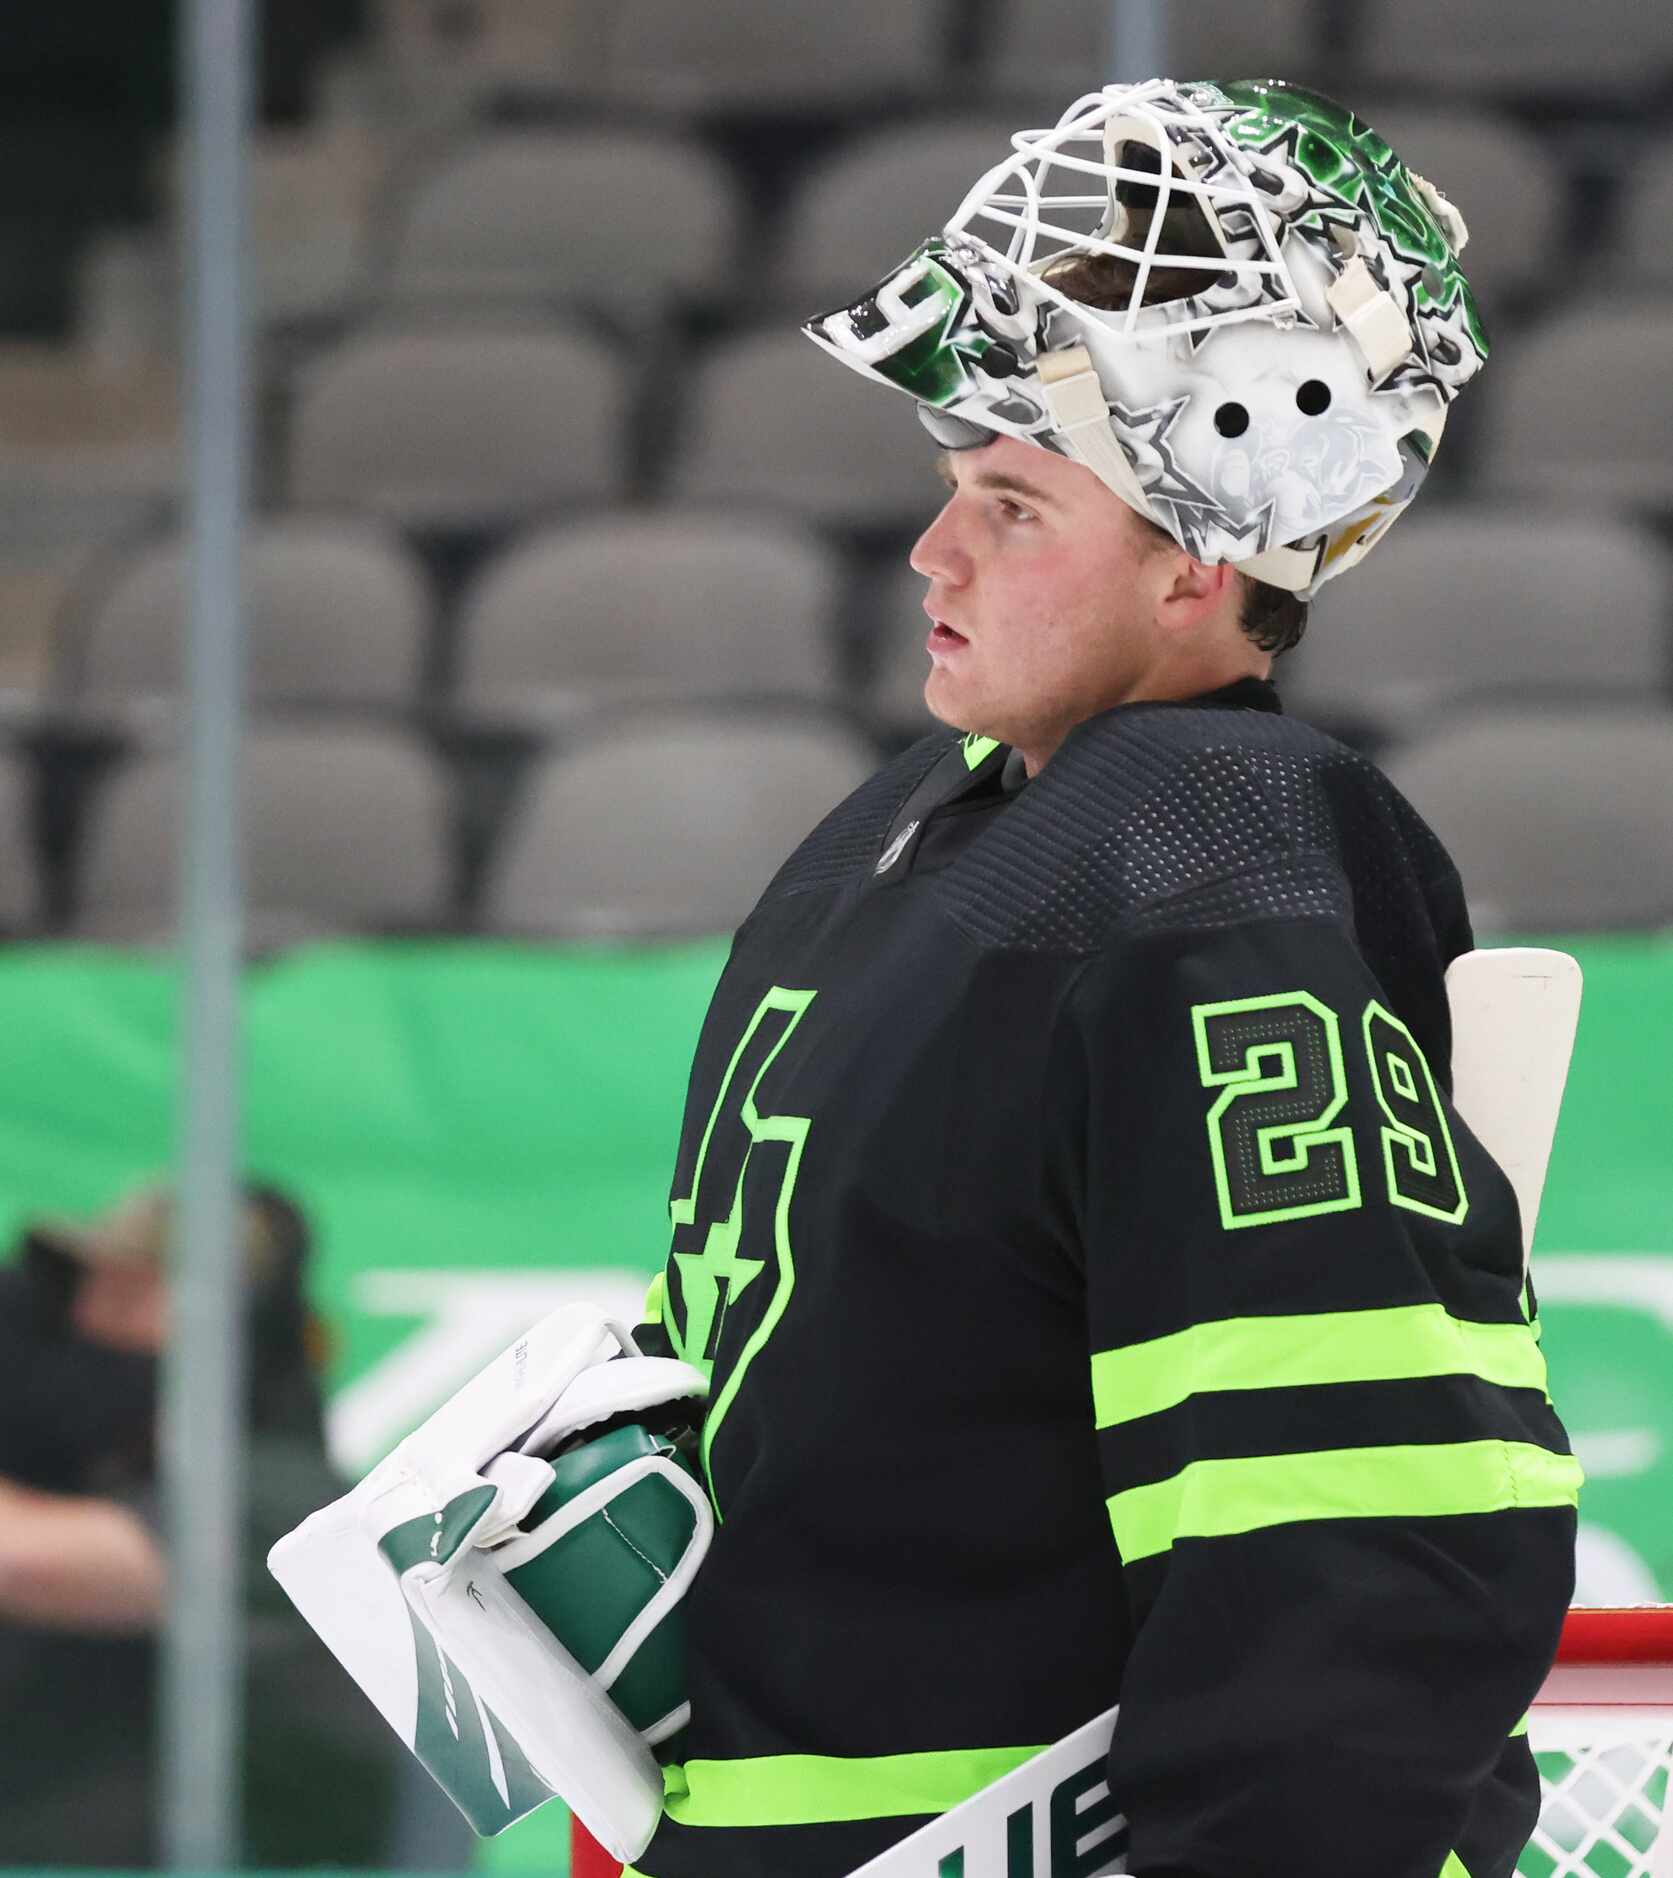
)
(1278, 1142)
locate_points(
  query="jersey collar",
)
(1246, 694)
(972, 764)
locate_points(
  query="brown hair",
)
(1273, 618)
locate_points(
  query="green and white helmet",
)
(1281, 414)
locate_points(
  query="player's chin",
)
(951, 697)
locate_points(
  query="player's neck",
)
(1171, 682)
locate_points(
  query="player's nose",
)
(937, 554)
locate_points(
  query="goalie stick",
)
(1514, 1014)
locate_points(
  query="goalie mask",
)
(1290, 325)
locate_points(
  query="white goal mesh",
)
(1602, 1734)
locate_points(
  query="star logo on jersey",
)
(740, 1194)
(714, 1279)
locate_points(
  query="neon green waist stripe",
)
(1327, 1347)
(1213, 1499)
(814, 1789)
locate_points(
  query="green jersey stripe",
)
(1394, 1345)
(815, 1789)
(1215, 1499)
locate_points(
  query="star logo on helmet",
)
(1253, 535)
(1144, 435)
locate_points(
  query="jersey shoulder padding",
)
(850, 838)
(1185, 816)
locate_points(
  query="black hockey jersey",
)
(1103, 1300)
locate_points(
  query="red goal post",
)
(1602, 1733)
(1618, 1635)
(1602, 1730)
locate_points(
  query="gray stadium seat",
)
(344, 828)
(1505, 182)
(1584, 406)
(337, 611)
(20, 890)
(771, 420)
(312, 194)
(37, 584)
(866, 208)
(127, 293)
(1644, 253)
(90, 458)
(1558, 821)
(1055, 48)
(1600, 49)
(740, 53)
(1455, 607)
(460, 429)
(88, 448)
(654, 605)
(668, 823)
(624, 223)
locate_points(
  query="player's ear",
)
(1194, 591)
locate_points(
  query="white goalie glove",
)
(506, 1586)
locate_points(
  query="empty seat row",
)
(646, 605)
(741, 54)
(1612, 51)
(661, 822)
(1505, 48)
(673, 822)
(636, 604)
(631, 225)
(663, 54)
(1556, 819)
(466, 429)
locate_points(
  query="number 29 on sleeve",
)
(1280, 1143)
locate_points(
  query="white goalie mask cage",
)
(1280, 414)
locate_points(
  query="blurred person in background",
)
(84, 1319)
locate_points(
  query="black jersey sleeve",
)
(1343, 1503)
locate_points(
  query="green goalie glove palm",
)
(600, 1548)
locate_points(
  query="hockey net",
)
(1602, 1735)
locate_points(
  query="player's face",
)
(1045, 591)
